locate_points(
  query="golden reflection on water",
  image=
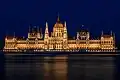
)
(59, 68)
(55, 69)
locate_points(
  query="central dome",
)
(58, 24)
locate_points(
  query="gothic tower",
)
(46, 36)
(65, 31)
(65, 37)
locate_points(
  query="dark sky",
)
(96, 15)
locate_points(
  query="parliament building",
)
(59, 40)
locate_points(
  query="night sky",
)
(95, 15)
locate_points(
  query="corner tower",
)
(46, 37)
(65, 36)
(46, 32)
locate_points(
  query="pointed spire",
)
(111, 33)
(65, 24)
(58, 18)
(38, 29)
(65, 27)
(77, 35)
(65, 31)
(102, 33)
(46, 31)
(14, 34)
(46, 25)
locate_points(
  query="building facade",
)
(59, 40)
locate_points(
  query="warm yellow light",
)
(59, 41)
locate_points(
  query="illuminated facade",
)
(59, 40)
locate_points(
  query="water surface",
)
(61, 67)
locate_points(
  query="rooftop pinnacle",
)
(58, 18)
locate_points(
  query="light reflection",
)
(55, 68)
(73, 67)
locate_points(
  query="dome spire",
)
(58, 18)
